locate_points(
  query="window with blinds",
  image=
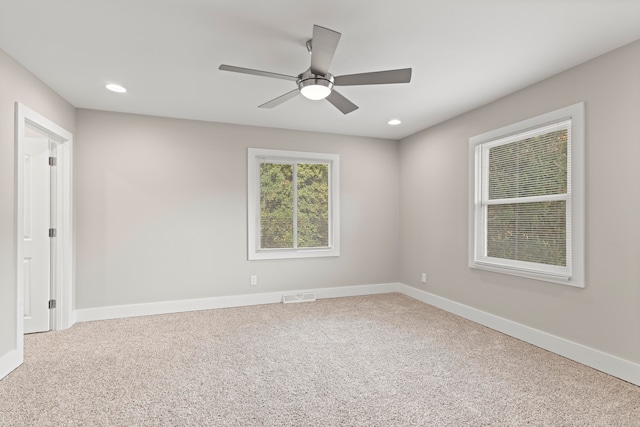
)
(523, 202)
(293, 199)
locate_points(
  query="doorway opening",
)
(39, 219)
(39, 140)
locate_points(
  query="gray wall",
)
(18, 84)
(434, 230)
(161, 211)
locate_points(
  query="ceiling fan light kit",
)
(317, 83)
(315, 87)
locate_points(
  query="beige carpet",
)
(384, 360)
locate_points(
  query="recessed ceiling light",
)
(115, 88)
(394, 122)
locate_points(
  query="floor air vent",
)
(302, 297)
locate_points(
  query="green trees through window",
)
(294, 205)
(276, 205)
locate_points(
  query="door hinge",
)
(53, 161)
(52, 232)
(52, 304)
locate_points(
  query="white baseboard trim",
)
(164, 307)
(612, 365)
(9, 362)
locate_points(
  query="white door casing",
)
(37, 245)
(63, 270)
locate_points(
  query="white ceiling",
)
(464, 53)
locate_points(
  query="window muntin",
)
(293, 204)
(524, 216)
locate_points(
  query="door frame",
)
(64, 280)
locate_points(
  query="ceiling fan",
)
(317, 83)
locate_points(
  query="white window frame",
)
(573, 274)
(254, 157)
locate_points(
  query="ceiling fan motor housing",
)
(314, 86)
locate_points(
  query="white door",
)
(37, 221)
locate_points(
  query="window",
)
(293, 204)
(526, 201)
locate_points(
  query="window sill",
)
(293, 254)
(545, 277)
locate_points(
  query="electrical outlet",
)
(254, 280)
(424, 278)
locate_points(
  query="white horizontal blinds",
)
(527, 196)
(532, 232)
(312, 205)
(276, 205)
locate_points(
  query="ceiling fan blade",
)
(375, 78)
(341, 103)
(234, 69)
(279, 100)
(323, 47)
